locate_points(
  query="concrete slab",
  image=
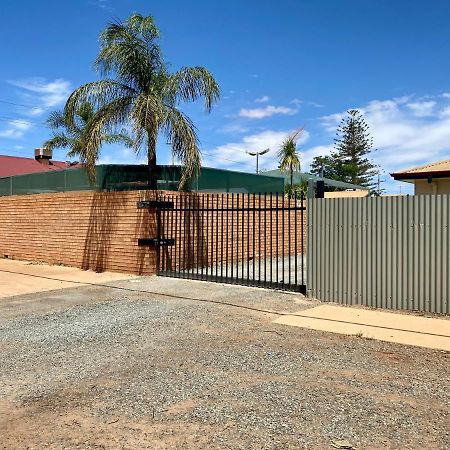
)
(385, 326)
(22, 277)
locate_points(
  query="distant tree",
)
(353, 146)
(72, 134)
(142, 93)
(378, 190)
(330, 167)
(288, 156)
(296, 190)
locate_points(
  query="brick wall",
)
(99, 231)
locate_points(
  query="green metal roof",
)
(299, 177)
(118, 177)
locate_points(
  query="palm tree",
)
(72, 134)
(142, 93)
(288, 157)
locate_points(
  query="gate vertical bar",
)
(172, 248)
(283, 212)
(289, 238)
(158, 236)
(237, 236)
(243, 238)
(206, 238)
(226, 240)
(303, 237)
(248, 237)
(277, 234)
(216, 249)
(259, 236)
(254, 236)
(232, 234)
(201, 234)
(221, 240)
(295, 242)
(271, 238)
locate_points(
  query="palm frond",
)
(102, 124)
(56, 119)
(181, 133)
(146, 116)
(97, 94)
(190, 84)
(85, 111)
(58, 140)
(119, 138)
(130, 50)
(288, 156)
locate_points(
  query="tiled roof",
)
(437, 166)
(15, 165)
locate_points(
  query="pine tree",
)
(328, 166)
(353, 145)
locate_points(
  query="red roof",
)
(15, 165)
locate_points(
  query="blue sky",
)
(281, 65)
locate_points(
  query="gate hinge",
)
(154, 204)
(155, 242)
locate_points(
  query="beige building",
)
(358, 193)
(433, 178)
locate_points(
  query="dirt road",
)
(103, 368)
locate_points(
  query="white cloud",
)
(422, 109)
(312, 152)
(403, 135)
(233, 155)
(268, 111)
(297, 102)
(263, 99)
(36, 111)
(102, 4)
(42, 93)
(233, 128)
(15, 130)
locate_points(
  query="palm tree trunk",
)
(152, 169)
(152, 176)
(292, 176)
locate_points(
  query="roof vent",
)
(42, 154)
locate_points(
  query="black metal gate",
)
(247, 239)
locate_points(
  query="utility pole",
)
(258, 154)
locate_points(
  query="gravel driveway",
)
(101, 368)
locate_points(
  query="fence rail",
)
(387, 252)
(249, 239)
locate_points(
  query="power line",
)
(7, 102)
(26, 122)
(227, 159)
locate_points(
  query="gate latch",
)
(154, 204)
(155, 242)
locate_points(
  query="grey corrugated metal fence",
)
(386, 252)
